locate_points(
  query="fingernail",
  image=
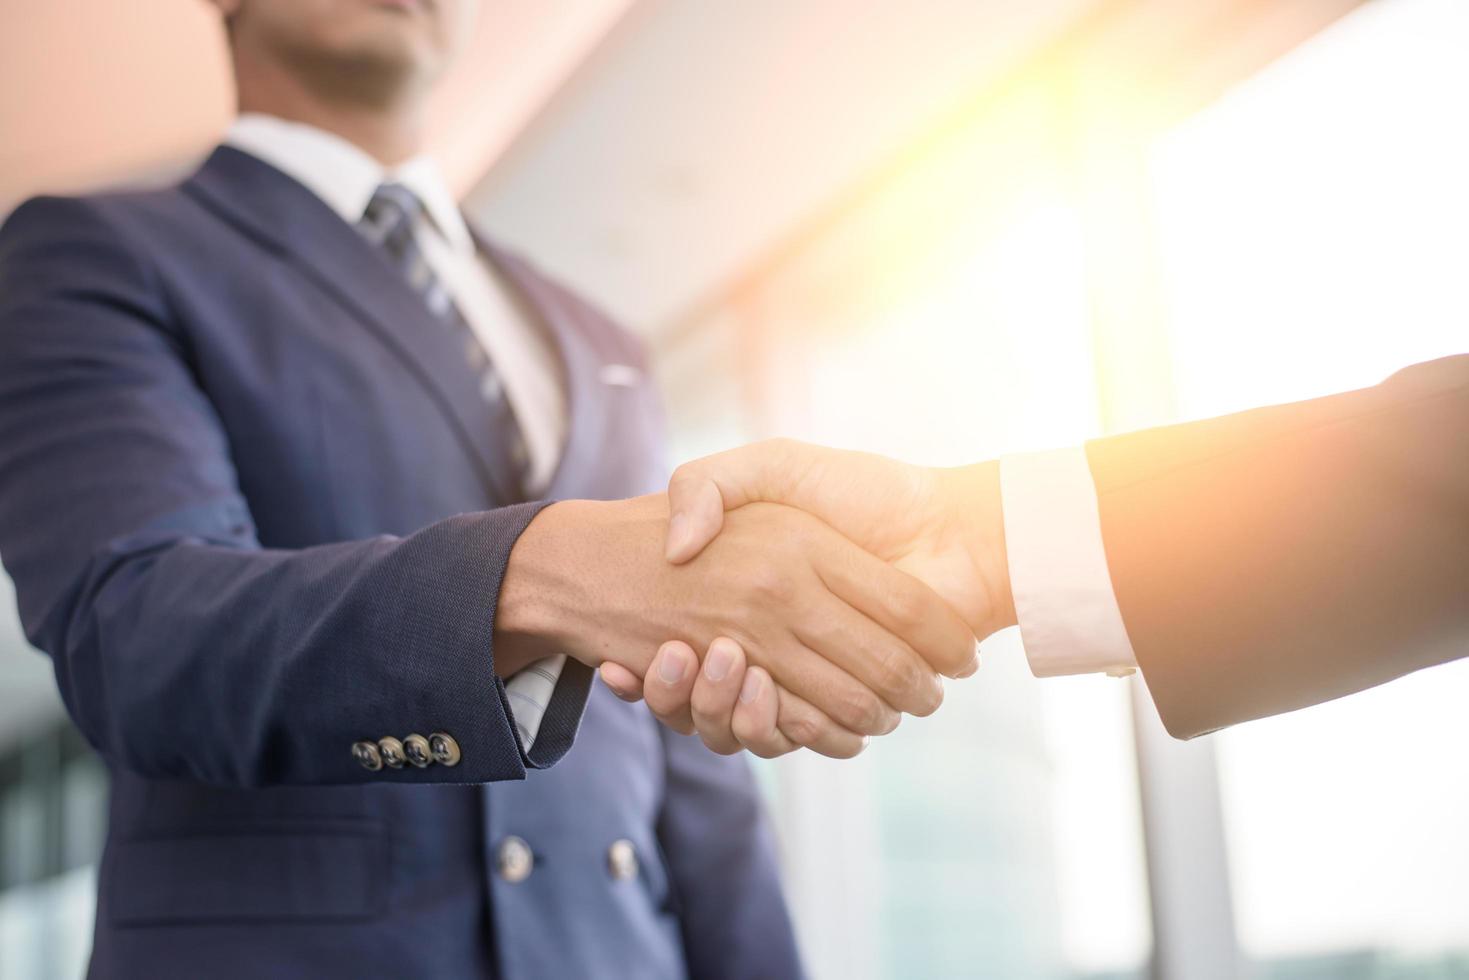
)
(671, 667)
(750, 688)
(678, 536)
(718, 662)
(969, 669)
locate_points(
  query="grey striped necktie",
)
(389, 222)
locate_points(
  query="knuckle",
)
(666, 700)
(910, 683)
(899, 674)
(803, 730)
(704, 702)
(822, 633)
(748, 734)
(848, 748)
(768, 750)
(930, 697)
(951, 650)
(704, 720)
(863, 712)
(718, 745)
(710, 715)
(662, 704)
(910, 607)
(771, 584)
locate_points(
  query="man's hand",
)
(850, 640)
(942, 526)
(732, 707)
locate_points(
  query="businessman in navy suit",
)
(276, 447)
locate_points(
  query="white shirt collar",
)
(343, 175)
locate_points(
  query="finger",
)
(902, 605)
(756, 714)
(621, 681)
(885, 664)
(766, 716)
(716, 691)
(700, 491)
(803, 724)
(670, 684)
(813, 677)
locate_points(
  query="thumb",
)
(701, 491)
(696, 514)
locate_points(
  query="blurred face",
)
(364, 50)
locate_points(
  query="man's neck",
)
(389, 133)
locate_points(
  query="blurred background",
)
(943, 230)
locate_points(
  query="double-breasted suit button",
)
(416, 751)
(514, 860)
(392, 752)
(367, 755)
(622, 860)
(445, 750)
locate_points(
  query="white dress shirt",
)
(1068, 614)
(345, 177)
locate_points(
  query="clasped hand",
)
(851, 580)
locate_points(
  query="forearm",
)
(1276, 558)
(235, 665)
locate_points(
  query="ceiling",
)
(701, 132)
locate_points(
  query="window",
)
(1315, 228)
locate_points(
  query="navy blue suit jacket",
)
(254, 514)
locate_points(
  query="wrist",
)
(969, 502)
(534, 612)
(583, 579)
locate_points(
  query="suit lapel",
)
(285, 217)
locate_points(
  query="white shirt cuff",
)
(1069, 620)
(530, 693)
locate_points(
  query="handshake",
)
(828, 591)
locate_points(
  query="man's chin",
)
(384, 64)
(403, 7)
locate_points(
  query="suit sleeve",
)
(721, 856)
(182, 648)
(1286, 556)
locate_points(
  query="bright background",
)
(941, 229)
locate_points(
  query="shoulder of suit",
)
(109, 213)
(114, 240)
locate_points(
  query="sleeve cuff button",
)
(367, 756)
(444, 749)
